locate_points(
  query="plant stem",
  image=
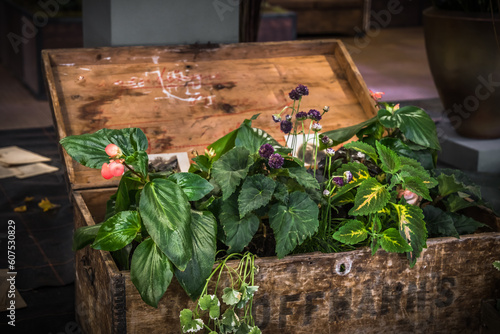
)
(140, 176)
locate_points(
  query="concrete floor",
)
(390, 60)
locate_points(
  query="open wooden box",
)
(186, 97)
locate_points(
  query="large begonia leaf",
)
(199, 268)
(294, 222)
(231, 169)
(166, 213)
(151, 272)
(88, 149)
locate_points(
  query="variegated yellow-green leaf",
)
(390, 161)
(370, 198)
(412, 226)
(351, 233)
(392, 241)
(359, 174)
(363, 148)
(417, 186)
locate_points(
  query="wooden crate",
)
(351, 292)
(186, 97)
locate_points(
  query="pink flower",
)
(114, 168)
(410, 197)
(113, 151)
(376, 95)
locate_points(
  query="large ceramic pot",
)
(464, 58)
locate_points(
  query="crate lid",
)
(186, 97)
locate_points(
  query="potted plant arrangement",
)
(249, 196)
(462, 48)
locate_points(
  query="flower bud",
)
(347, 176)
(330, 152)
(276, 118)
(326, 193)
(113, 151)
(339, 181)
(116, 168)
(106, 172)
(326, 108)
(316, 127)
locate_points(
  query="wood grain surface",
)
(186, 97)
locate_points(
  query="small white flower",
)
(316, 127)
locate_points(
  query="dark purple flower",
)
(339, 181)
(286, 126)
(294, 95)
(347, 176)
(302, 90)
(276, 118)
(325, 140)
(266, 150)
(301, 115)
(314, 115)
(276, 161)
(288, 117)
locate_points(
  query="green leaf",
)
(411, 167)
(252, 138)
(439, 222)
(390, 161)
(281, 192)
(449, 185)
(411, 226)
(464, 224)
(118, 231)
(139, 162)
(166, 213)
(456, 202)
(202, 163)
(199, 268)
(127, 190)
(255, 330)
(496, 264)
(351, 233)
(343, 134)
(392, 241)
(399, 147)
(363, 148)
(342, 199)
(151, 272)
(417, 126)
(461, 179)
(229, 322)
(84, 236)
(122, 257)
(188, 324)
(294, 222)
(231, 169)
(231, 296)
(247, 293)
(303, 178)
(417, 186)
(239, 232)
(88, 149)
(387, 119)
(256, 192)
(194, 186)
(223, 144)
(370, 198)
(212, 304)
